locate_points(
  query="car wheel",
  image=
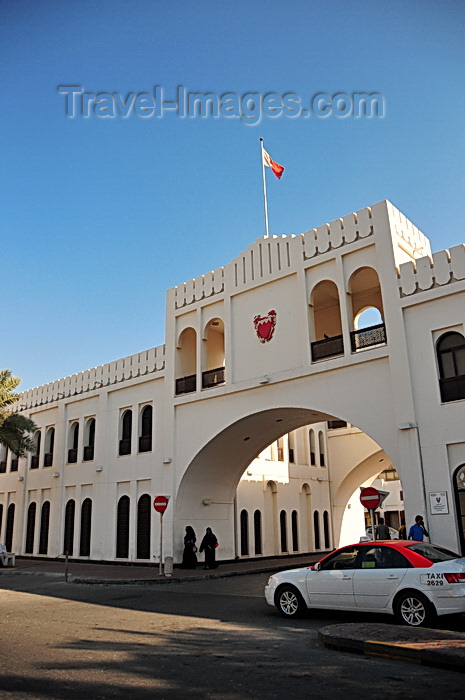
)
(414, 609)
(289, 602)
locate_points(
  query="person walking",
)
(402, 530)
(418, 531)
(209, 545)
(189, 557)
(382, 531)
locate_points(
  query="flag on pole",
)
(275, 167)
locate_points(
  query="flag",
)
(276, 168)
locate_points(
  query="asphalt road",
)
(207, 639)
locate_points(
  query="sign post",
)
(370, 498)
(160, 503)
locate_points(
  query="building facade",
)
(266, 356)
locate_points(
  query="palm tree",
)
(14, 428)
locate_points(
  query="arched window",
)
(86, 526)
(143, 526)
(367, 308)
(10, 521)
(321, 448)
(283, 530)
(36, 453)
(73, 442)
(291, 447)
(186, 362)
(459, 491)
(295, 531)
(213, 354)
(122, 528)
(49, 445)
(145, 438)
(327, 324)
(326, 529)
(311, 440)
(68, 539)
(451, 360)
(30, 528)
(44, 527)
(89, 440)
(244, 533)
(257, 528)
(316, 529)
(126, 433)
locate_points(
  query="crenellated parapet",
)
(406, 235)
(199, 288)
(428, 272)
(140, 364)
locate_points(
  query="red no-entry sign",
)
(160, 503)
(370, 498)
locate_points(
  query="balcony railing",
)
(48, 459)
(334, 424)
(328, 347)
(452, 388)
(88, 453)
(185, 385)
(145, 443)
(14, 465)
(72, 455)
(368, 337)
(35, 462)
(212, 377)
(3, 466)
(125, 446)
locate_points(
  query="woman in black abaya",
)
(189, 558)
(209, 544)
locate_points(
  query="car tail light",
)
(455, 578)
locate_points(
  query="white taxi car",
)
(413, 580)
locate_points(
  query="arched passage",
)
(207, 490)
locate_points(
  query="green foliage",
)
(15, 428)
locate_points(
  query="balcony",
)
(35, 462)
(328, 347)
(185, 385)
(125, 446)
(145, 443)
(88, 453)
(368, 337)
(212, 377)
(48, 459)
(452, 388)
(72, 455)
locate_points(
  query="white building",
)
(259, 356)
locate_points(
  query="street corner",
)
(424, 646)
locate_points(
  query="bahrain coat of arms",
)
(264, 326)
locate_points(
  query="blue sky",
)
(99, 216)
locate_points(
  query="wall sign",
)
(264, 326)
(438, 503)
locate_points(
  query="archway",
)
(207, 491)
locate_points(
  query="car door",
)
(332, 585)
(381, 571)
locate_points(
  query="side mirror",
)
(317, 566)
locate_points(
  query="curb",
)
(421, 646)
(171, 579)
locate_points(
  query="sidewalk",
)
(131, 574)
(424, 646)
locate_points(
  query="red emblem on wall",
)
(264, 326)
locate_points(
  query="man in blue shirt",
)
(418, 531)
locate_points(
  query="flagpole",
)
(265, 205)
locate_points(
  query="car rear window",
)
(432, 552)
